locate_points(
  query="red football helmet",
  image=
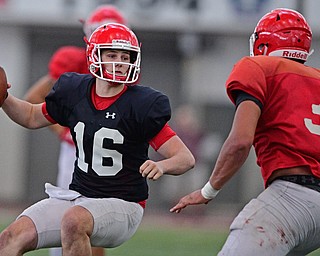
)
(282, 32)
(68, 59)
(102, 15)
(118, 37)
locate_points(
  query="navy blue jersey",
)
(111, 144)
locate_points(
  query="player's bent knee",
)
(22, 238)
(77, 221)
(6, 238)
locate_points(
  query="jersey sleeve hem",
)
(46, 114)
(164, 135)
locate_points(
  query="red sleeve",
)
(248, 76)
(165, 134)
(46, 114)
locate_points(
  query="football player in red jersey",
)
(277, 111)
(101, 15)
(70, 59)
(112, 125)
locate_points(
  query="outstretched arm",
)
(37, 93)
(24, 113)
(233, 154)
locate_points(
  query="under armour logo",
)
(113, 115)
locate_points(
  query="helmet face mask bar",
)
(114, 36)
(133, 71)
(282, 32)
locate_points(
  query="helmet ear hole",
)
(260, 47)
(263, 48)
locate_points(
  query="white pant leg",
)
(55, 251)
(115, 220)
(284, 218)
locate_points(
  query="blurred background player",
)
(102, 15)
(71, 59)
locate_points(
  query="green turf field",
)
(167, 240)
(164, 242)
(178, 242)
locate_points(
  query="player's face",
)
(117, 61)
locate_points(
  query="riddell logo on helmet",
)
(119, 41)
(295, 55)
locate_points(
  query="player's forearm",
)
(232, 156)
(24, 113)
(178, 164)
(178, 158)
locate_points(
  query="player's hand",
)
(191, 199)
(151, 170)
(4, 86)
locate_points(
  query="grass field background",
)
(163, 241)
(165, 234)
(160, 234)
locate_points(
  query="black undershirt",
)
(241, 96)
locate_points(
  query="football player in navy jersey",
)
(112, 123)
(71, 59)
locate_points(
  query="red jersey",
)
(288, 131)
